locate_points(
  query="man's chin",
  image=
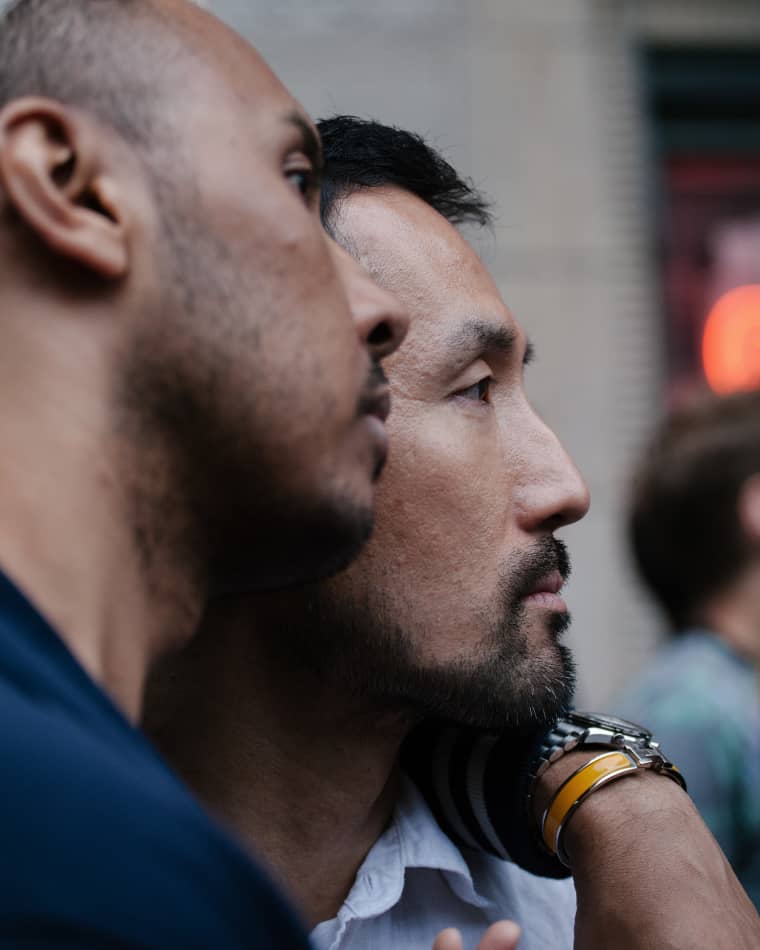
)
(309, 548)
(516, 678)
(559, 623)
(334, 546)
(528, 694)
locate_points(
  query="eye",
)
(302, 179)
(478, 392)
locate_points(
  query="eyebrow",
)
(480, 336)
(310, 141)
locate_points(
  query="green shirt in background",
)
(702, 701)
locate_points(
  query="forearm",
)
(647, 872)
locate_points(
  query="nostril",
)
(380, 334)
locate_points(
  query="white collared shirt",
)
(415, 882)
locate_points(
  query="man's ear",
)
(749, 508)
(54, 174)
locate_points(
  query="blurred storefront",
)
(704, 104)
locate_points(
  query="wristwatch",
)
(582, 729)
(479, 784)
(625, 747)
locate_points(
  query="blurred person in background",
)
(288, 712)
(695, 533)
(164, 281)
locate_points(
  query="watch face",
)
(609, 722)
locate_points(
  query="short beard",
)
(201, 493)
(502, 682)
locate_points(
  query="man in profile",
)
(288, 711)
(186, 408)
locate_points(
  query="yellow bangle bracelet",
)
(575, 789)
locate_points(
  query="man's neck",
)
(305, 777)
(734, 614)
(66, 535)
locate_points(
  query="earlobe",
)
(53, 174)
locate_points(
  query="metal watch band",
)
(579, 729)
(564, 737)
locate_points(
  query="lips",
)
(548, 584)
(545, 593)
(378, 403)
(375, 407)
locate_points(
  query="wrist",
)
(580, 760)
(611, 815)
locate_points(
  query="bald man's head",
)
(160, 232)
(110, 58)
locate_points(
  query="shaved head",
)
(111, 58)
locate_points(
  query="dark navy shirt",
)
(101, 846)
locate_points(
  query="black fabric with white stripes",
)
(476, 785)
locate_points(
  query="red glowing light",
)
(731, 341)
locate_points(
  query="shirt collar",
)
(38, 663)
(413, 840)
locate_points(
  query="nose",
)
(554, 492)
(381, 321)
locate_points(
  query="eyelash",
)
(306, 189)
(480, 390)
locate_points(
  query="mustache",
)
(376, 381)
(549, 555)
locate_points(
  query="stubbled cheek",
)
(445, 493)
(447, 537)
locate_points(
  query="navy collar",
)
(36, 662)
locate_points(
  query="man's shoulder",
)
(695, 678)
(64, 762)
(102, 842)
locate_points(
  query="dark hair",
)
(361, 153)
(684, 522)
(105, 57)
